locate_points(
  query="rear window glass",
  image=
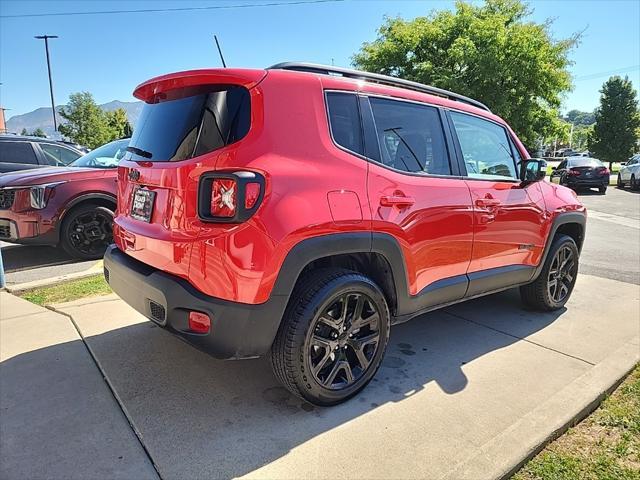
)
(344, 119)
(17, 152)
(584, 162)
(189, 126)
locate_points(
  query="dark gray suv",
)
(22, 153)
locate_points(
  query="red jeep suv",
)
(301, 210)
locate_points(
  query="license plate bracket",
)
(142, 205)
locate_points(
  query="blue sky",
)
(109, 55)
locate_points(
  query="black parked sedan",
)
(581, 172)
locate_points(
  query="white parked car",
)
(629, 173)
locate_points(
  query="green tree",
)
(86, 123)
(118, 123)
(489, 52)
(38, 132)
(24, 132)
(615, 133)
(580, 118)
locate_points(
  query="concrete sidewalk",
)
(468, 392)
(58, 418)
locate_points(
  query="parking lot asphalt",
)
(612, 245)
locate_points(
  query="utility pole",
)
(46, 47)
(215, 37)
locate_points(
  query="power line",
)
(176, 9)
(591, 76)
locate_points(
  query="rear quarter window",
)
(197, 122)
(17, 152)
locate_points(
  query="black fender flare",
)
(579, 218)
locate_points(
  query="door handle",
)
(396, 200)
(487, 202)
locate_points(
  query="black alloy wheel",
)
(87, 231)
(344, 340)
(562, 274)
(332, 337)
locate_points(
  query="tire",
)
(633, 184)
(540, 294)
(602, 189)
(309, 353)
(86, 231)
(619, 182)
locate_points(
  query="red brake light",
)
(224, 194)
(251, 194)
(603, 170)
(574, 173)
(199, 322)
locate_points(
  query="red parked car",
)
(299, 211)
(68, 206)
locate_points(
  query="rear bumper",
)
(238, 330)
(588, 182)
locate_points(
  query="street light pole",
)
(46, 47)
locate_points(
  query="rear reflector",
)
(224, 197)
(251, 194)
(199, 322)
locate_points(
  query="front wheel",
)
(619, 182)
(86, 231)
(332, 337)
(553, 287)
(633, 183)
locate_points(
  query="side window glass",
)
(17, 152)
(57, 155)
(344, 119)
(562, 165)
(411, 137)
(485, 148)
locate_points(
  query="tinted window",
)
(175, 129)
(485, 147)
(17, 152)
(584, 162)
(106, 156)
(58, 156)
(344, 119)
(410, 136)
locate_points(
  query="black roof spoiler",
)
(376, 78)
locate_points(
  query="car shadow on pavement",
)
(201, 417)
(21, 257)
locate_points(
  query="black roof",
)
(377, 78)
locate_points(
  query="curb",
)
(47, 282)
(505, 454)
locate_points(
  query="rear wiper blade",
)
(139, 152)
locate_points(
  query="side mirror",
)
(532, 170)
(623, 164)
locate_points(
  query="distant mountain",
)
(41, 117)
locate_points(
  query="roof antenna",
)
(215, 37)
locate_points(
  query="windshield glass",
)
(584, 162)
(106, 156)
(191, 123)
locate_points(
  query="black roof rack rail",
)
(376, 78)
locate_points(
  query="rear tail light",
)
(574, 173)
(224, 197)
(199, 322)
(229, 197)
(603, 171)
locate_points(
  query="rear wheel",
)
(87, 231)
(602, 189)
(332, 337)
(553, 287)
